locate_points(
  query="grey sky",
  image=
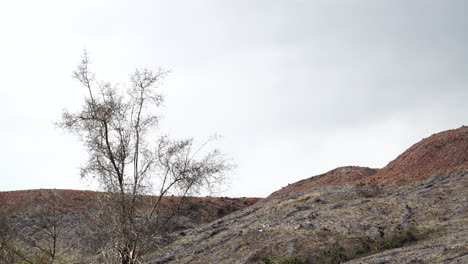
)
(294, 87)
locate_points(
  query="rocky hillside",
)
(426, 221)
(440, 153)
(203, 209)
(28, 212)
(415, 210)
(337, 176)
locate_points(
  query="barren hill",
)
(204, 209)
(27, 210)
(337, 176)
(440, 153)
(415, 210)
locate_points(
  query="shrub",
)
(338, 254)
(335, 255)
(398, 238)
(266, 260)
(293, 261)
(371, 189)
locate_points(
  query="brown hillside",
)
(337, 176)
(34, 199)
(440, 153)
(205, 208)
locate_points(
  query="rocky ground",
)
(306, 224)
(414, 210)
(29, 212)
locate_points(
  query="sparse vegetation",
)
(397, 238)
(340, 253)
(368, 190)
(266, 260)
(335, 255)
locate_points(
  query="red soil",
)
(33, 199)
(440, 153)
(205, 207)
(337, 176)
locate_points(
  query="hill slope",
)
(440, 153)
(204, 209)
(27, 210)
(337, 176)
(414, 210)
(419, 216)
(323, 218)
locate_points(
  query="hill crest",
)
(440, 153)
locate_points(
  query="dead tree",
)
(9, 251)
(50, 226)
(129, 159)
(43, 239)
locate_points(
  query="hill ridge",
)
(442, 152)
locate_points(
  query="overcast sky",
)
(295, 88)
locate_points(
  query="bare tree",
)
(9, 251)
(115, 127)
(49, 226)
(40, 240)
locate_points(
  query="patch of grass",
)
(266, 260)
(335, 255)
(371, 189)
(398, 238)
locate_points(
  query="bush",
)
(293, 261)
(398, 238)
(369, 190)
(266, 260)
(335, 255)
(338, 254)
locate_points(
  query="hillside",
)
(337, 176)
(324, 218)
(440, 153)
(27, 210)
(414, 210)
(204, 209)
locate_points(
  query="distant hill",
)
(205, 209)
(26, 211)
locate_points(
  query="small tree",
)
(47, 244)
(115, 127)
(43, 244)
(9, 251)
